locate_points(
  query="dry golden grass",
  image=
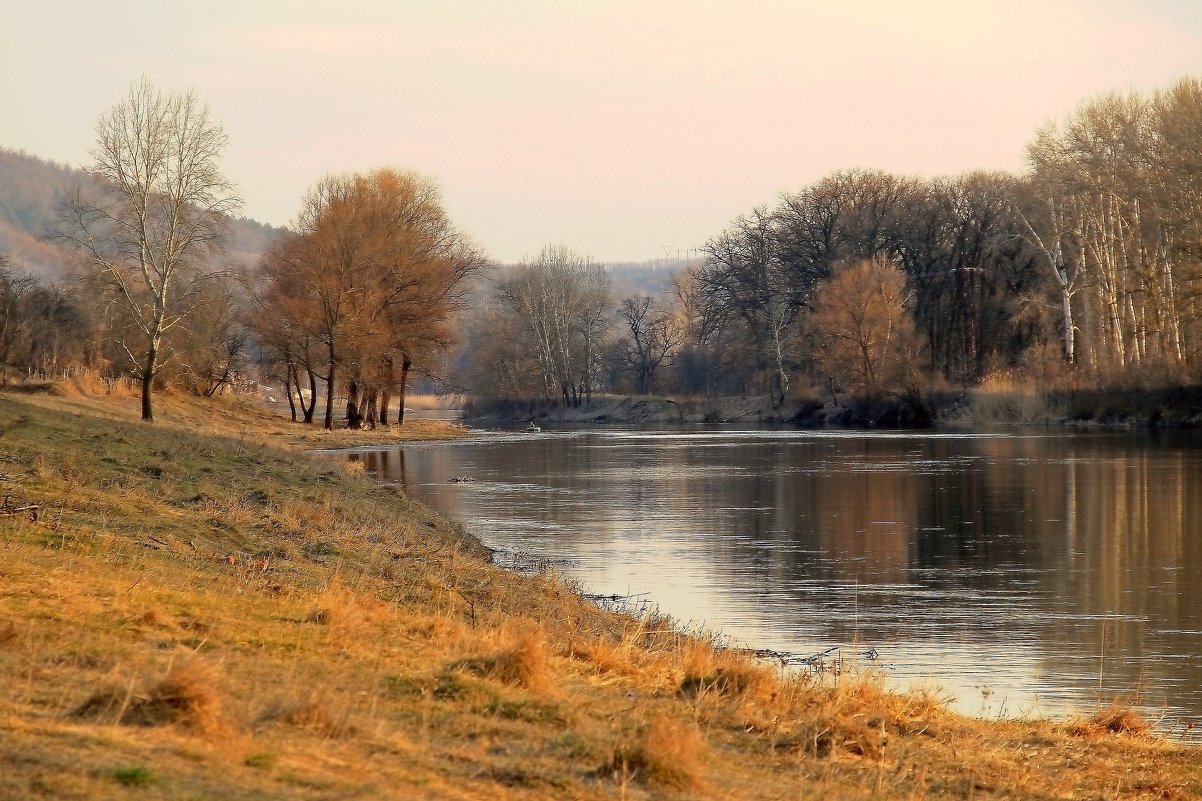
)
(426, 402)
(666, 753)
(312, 713)
(188, 695)
(1008, 398)
(205, 610)
(525, 662)
(1117, 718)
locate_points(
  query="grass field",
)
(201, 609)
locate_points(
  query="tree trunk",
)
(312, 407)
(385, 399)
(373, 402)
(330, 398)
(386, 390)
(152, 356)
(352, 406)
(291, 402)
(367, 407)
(1069, 331)
(405, 365)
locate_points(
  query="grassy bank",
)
(199, 609)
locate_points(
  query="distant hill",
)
(30, 190)
(652, 277)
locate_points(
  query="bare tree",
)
(153, 221)
(1051, 211)
(14, 323)
(561, 299)
(654, 336)
(745, 282)
(212, 345)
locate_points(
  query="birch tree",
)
(561, 299)
(152, 222)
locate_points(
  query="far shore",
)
(1122, 407)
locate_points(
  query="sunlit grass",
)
(201, 609)
(428, 401)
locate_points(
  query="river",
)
(1017, 573)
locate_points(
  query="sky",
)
(625, 130)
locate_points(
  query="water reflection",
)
(1019, 573)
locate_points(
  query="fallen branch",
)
(787, 658)
(7, 509)
(612, 598)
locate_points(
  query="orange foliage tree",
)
(865, 340)
(371, 278)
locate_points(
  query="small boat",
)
(533, 427)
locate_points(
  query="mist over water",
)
(1018, 573)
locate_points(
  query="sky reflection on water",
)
(1018, 573)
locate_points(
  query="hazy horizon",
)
(626, 131)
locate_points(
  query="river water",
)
(1020, 573)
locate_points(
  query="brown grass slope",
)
(199, 609)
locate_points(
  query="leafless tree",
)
(151, 225)
(561, 301)
(745, 281)
(653, 337)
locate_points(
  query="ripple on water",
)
(988, 563)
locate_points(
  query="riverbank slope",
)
(202, 609)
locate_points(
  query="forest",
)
(1083, 272)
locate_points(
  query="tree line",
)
(1085, 269)
(361, 290)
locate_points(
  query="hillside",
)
(30, 189)
(200, 609)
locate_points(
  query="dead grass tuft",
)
(708, 670)
(606, 656)
(667, 753)
(338, 605)
(846, 734)
(324, 616)
(312, 714)
(1115, 719)
(154, 617)
(8, 633)
(859, 716)
(728, 680)
(188, 695)
(526, 663)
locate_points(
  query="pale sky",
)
(621, 129)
